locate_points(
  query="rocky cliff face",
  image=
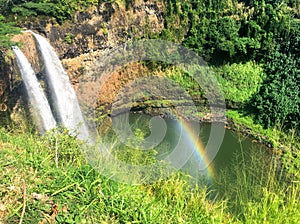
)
(102, 27)
(80, 42)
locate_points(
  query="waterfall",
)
(63, 96)
(41, 109)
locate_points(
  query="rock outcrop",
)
(102, 27)
(80, 42)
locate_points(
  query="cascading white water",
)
(63, 95)
(41, 109)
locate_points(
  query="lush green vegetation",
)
(7, 30)
(240, 81)
(51, 177)
(286, 144)
(55, 172)
(238, 33)
(60, 9)
(278, 100)
(253, 47)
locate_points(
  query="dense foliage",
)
(278, 101)
(229, 30)
(236, 33)
(59, 9)
(240, 81)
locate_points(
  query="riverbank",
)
(284, 144)
(245, 125)
(232, 119)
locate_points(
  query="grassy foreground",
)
(47, 180)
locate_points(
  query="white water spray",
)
(63, 96)
(41, 109)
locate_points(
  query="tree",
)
(278, 101)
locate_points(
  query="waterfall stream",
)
(41, 109)
(63, 96)
(66, 110)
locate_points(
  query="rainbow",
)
(190, 134)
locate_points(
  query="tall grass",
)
(58, 179)
(257, 190)
(82, 194)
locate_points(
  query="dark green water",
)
(232, 146)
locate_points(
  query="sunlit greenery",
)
(7, 30)
(53, 171)
(251, 44)
(60, 9)
(253, 47)
(240, 82)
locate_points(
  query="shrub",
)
(240, 81)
